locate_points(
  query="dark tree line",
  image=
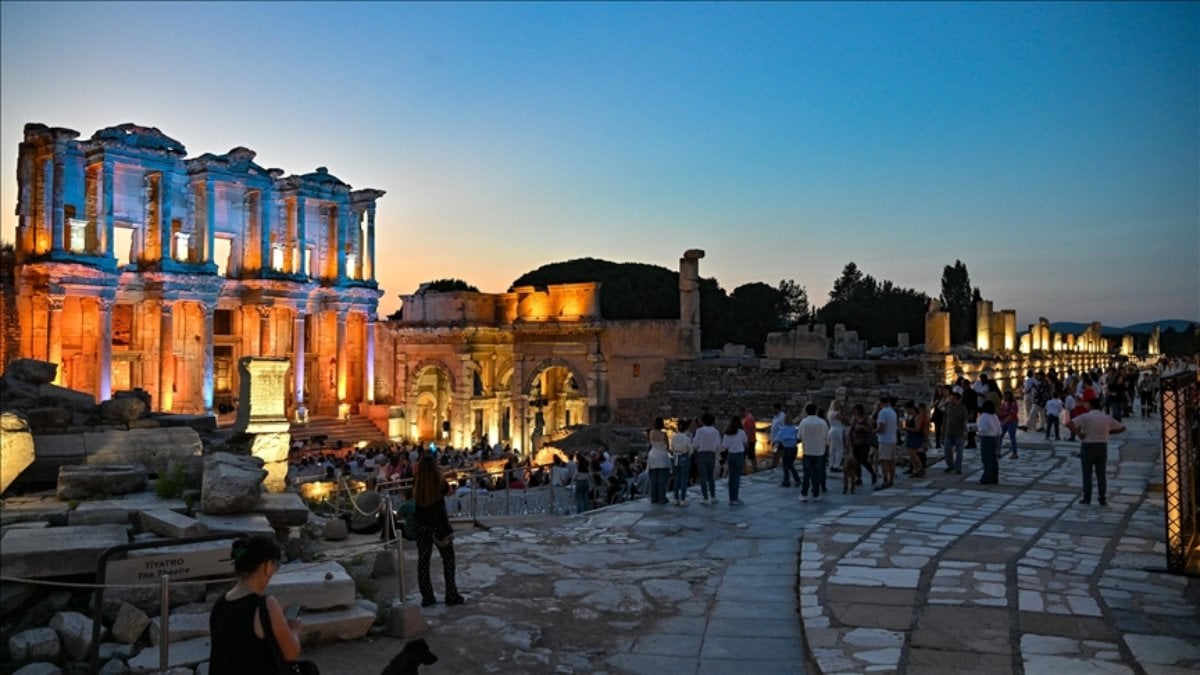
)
(878, 310)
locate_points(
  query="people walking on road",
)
(837, 437)
(1054, 410)
(860, 433)
(777, 421)
(1094, 428)
(988, 434)
(814, 437)
(915, 425)
(937, 408)
(734, 442)
(956, 432)
(658, 461)
(787, 440)
(750, 428)
(1009, 421)
(707, 443)
(681, 452)
(887, 428)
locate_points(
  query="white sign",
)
(180, 565)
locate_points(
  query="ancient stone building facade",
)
(139, 267)
(521, 366)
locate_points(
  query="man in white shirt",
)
(1027, 398)
(886, 429)
(1094, 428)
(707, 442)
(814, 435)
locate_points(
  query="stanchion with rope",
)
(405, 620)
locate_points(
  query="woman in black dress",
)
(238, 622)
(433, 529)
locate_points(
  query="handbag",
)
(284, 667)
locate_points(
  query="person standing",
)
(837, 437)
(246, 625)
(777, 421)
(682, 449)
(989, 443)
(886, 432)
(914, 438)
(750, 429)
(814, 435)
(956, 432)
(433, 529)
(786, 439)
(734, 442)
(658, 461)
(1094, 428)
(1009, 421)
(1027, 397)
(707, 442)
(583, 483)
(860, 443)
(1054, 409)
(938, 406)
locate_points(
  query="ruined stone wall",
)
(637, 354)
(10, 323)
(721, 386)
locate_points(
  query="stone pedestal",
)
(16, 448)
(937, 332)
(262, 414)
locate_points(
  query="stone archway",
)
(430, 400)
(557, 394)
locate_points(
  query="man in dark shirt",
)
(955, 425)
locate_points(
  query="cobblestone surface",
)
(938, 574)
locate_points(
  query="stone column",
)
(54, 335)
(166, 236)
(106, 208)
(56, 223)
(689, 304)
(210, 222)
(208, 311)
(104, 307)
(340, 216)
(298, 364)
(342, 362)
(264, 330)
(166, 356)
(301, 242)
(369, 365)
(1010, 330)
(264, 232)
(937, 332)
(983, 325)
(369, 256)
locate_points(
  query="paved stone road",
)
(937, 575)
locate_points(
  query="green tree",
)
(878, 311)
(757, 309)
(957, 299)
(446, 286)
(796, 297)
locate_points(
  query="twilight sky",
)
(1054, 148)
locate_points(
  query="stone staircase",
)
(350, 431)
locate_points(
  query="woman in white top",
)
(988, 434)
(658, 462)
(837, 437)
(681, 448)
(734, 442)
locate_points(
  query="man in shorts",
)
(886, 431)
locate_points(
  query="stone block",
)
(186, 654)
(115, 650)
(39, 668)
(249, 523)
(52, 451)
(13, 596)
(49, 418)
(232, 483)
(50, 510)
(272, 449)
(113, 667)
(155, 448)
(284, 509)
(34, 644)
(148, 598)
(129, 624)
(86, 482)
(170, 524)
(336, 625)
(99, 512)
(123, 408)
(75, 632)
(313, 586)
(16, 448)
(179, 627)
(335, 529)
(32, 371)
(59, 551)
(50, 395)
(263, 395)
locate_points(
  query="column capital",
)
(264, 311)
(105, 304)
(56, 302)
(207, 310)
(164, 305)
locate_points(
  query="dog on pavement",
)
(414, 655)
(849, 473)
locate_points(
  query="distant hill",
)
(1074, 328)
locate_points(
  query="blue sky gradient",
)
(1054, 148)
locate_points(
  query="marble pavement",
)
(937, 575)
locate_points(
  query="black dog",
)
(414, 655)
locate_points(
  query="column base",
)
(301, 414)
